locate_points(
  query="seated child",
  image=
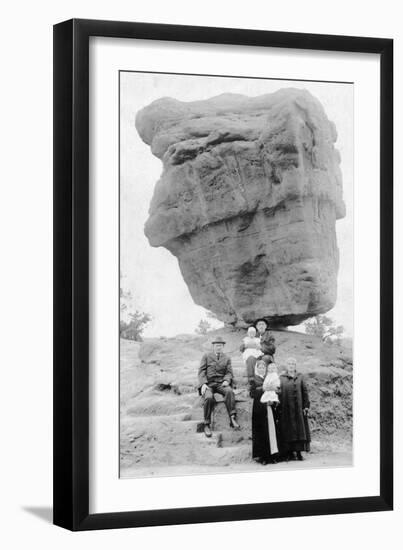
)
(252, 345)
(272, 380)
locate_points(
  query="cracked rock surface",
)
(248, 199)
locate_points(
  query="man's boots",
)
(207, 430)
(234, 424)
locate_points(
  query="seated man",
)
(215, 376)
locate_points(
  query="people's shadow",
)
(44, 513)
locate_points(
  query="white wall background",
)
(26, 280)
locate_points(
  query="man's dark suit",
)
(213, 371)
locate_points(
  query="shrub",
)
(203, 327)
(133, 329)
(324, 327)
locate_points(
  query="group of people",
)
(280, 429)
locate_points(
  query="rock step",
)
(224, 440)
(238, 363)
(152, 418)
(239, 370)
(181, 430)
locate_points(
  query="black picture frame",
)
(71, 273)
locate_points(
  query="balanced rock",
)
(247, 201)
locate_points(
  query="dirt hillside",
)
(160, 407)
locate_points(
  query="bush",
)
(133, 329)
(324, 327)
(132, 321)
(203, 327)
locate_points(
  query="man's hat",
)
(261, 320)
(218, 340)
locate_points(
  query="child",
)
(252, 345)
(272, 379)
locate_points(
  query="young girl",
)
(271, 381)
(251, 345)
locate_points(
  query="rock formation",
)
(247, 201)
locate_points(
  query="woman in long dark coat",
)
(294, 401)
(265, 437)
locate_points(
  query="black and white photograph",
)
(236, 274)
(200, 291)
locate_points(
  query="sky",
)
(152, 275)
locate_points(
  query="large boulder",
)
(247, 201)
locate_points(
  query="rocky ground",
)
(160, 407)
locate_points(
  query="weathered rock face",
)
(248, 199)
